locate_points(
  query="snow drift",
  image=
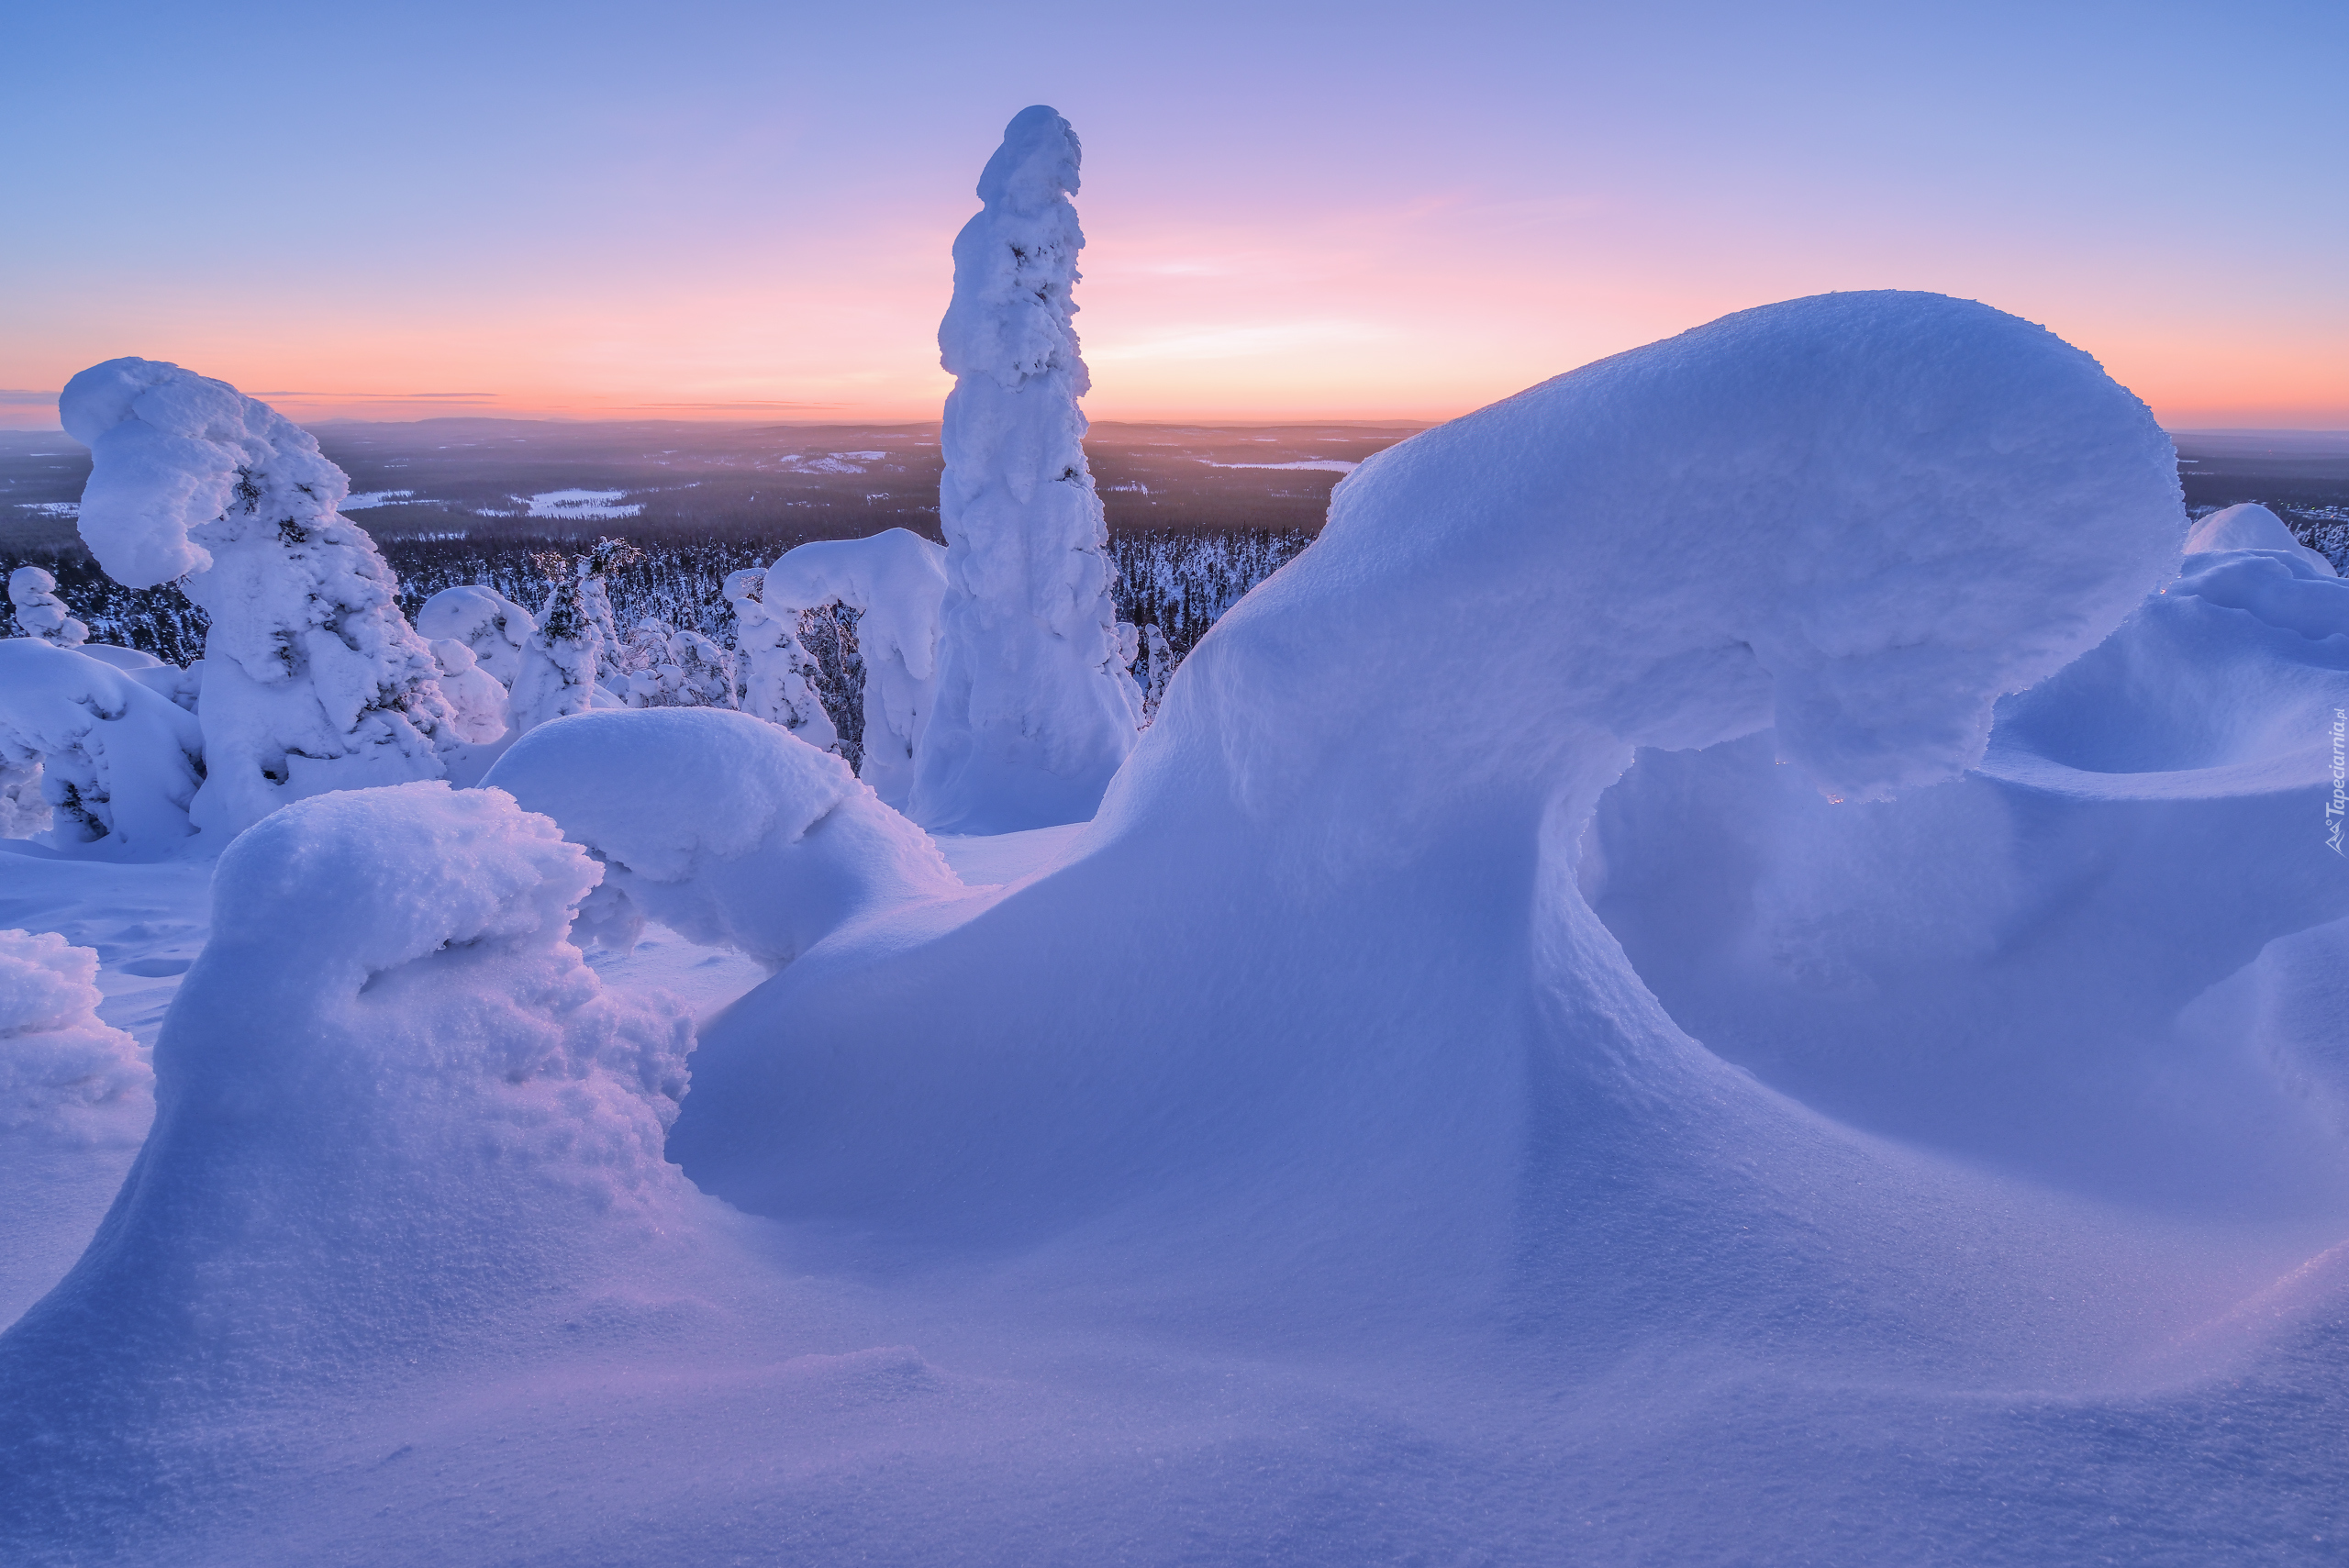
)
(1363, 1043)
(391, 1105)
(728, 830)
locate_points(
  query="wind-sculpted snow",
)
(392, 1103)
(1034, 710)
(731, 830)
(32, 594)
(314, 681)
(896, 582)
(1290, 1165)
(119, 765)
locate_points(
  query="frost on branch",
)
(1034, 711)
(313, 679)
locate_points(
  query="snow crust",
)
(729, 830)
(1033, 711)
(896, 580)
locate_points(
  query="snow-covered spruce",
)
(120, 765)
(479, 708)
(313, 679)
(728, 830)
(776, 673)
(493, 625)
(61, 1070)
(1034, 710)
(575, 637)
(2252, 527)
(896, 582)
(39, 612)
(1161, 669)
(660, 666)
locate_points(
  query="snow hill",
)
(1557, 1047)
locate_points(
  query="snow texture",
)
(39, 612)
(1033, 711)
(493, 625)
(119, 765)
(732, 832)
(2251, 526)
(314, 679)
(62, 1071)
(778, 674)
(896, 580)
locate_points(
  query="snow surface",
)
(577, 506)
(1289, 1164)
(896, 580)
(1033, 710)
(1321, 464)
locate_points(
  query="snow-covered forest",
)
(1745, 959)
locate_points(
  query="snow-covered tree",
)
(116, 761)
(574, 638)
(1034, 710)
(660, 666)
(39, 612)
(895, 581)
(778, 674)
(1162, 667)
(493, 625)
(478, 705)
(313, 679)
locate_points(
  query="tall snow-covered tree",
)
(1034, 711)
(313, 680)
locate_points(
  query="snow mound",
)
(119, 764)
(39, 612)
(896, 582)
(731, 830)
(1315, 1006)
(391, 1102)
(478, 705)
(2252, 527)
(61, 1069)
